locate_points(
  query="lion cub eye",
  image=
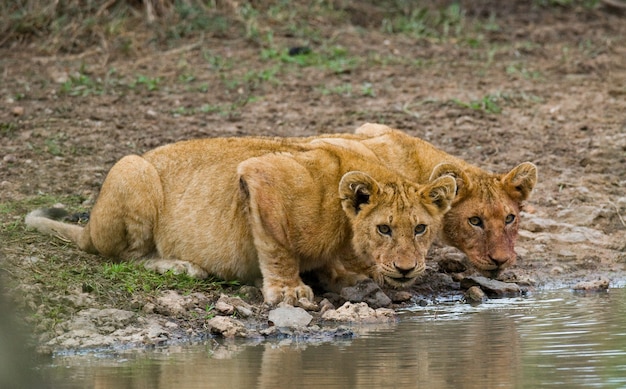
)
(509, 219)
(384, 229)
(475, 221)
(420, 229)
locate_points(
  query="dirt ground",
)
(506, 84)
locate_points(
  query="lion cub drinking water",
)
(250, 208)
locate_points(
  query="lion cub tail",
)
(46, 220)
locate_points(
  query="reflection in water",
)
(553, 338)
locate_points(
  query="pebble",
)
(600, 284)
(288, 316)
(360, 313)
(226, 326)
(224, 308)
(366, 291)
(399, 296)
(475, 294)
(9, 158)
(491, 287)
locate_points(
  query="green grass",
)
(132, 278)
(489, 104)
(493, 103)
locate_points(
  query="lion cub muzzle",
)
(402, 275)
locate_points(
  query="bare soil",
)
(517, 82)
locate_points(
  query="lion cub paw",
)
(176, 266)
(291, 295)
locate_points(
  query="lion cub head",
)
(484, 218)
(394, 224)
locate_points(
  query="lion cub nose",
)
(499, 261)
(404, 269)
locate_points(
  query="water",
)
(551, 339)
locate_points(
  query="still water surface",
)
(549, 339)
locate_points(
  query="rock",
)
(17, 111)
(366, 291)
(360, 313)
(307, 304)
(251, 293)
(148, 308)
(325, 305)
(556, 270)
(243, 311)
(399, 296)
(566, 255)
(109, 327)
(600, 284)
(224, 309)
(241, 307)
(170, 303)
(475, 295)
(453, 263)
(9, 158)
(77, 300)
(493, 288)
(226, 326)
(288, 316)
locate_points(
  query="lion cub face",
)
(484, 219)
(394, 224)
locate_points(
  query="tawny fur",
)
(491, 201)
(251, 208)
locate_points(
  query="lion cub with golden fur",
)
(252, 208)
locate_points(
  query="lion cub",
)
(252, 208)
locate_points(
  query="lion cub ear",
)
(520, 181)
(440, 192)
(463, 182)
(355, 190)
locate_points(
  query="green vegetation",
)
(75, 26)
(123, 29)
(493, 103)
(488, 104)
(132, 278)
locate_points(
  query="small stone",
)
(600, 284)
(148, 308)
(325, 305)
(492, 288)
(399, 296)
(359, 313)
(224, 308)
(556, 270)
(9, 158)
(366, 291)
(453, 263)
(241, 307)
(171, 325)
(170, 303)
(307, 304)
(227, 327)
(251, 293)
(151, 114)
(243, 311)
(475, 294)
(17, 111)
(288, 316)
